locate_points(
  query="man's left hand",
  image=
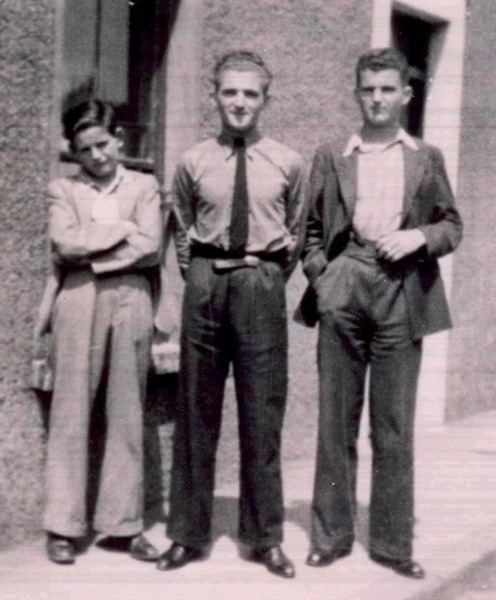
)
(395, 246)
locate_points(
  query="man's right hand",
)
(399, 244)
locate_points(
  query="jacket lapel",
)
(346, 170)
(414, 161)
(83, 204)
(127, 201)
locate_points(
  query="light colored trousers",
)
(102, 333)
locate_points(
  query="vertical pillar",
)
(182, 106)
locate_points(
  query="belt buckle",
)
(229, 264)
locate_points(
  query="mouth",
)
(239, 119)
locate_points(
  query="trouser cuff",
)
(387, 551)
(198, 543)
(127, 530)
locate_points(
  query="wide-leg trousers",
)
(101, 327)
(236, 316)
(364, 324)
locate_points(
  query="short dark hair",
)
(380, 59)
(242, 60)
(92, 113)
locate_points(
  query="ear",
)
(212, 98)
(120, 136)
(407, 94)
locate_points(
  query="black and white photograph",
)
(246, 341)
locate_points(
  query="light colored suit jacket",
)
(109, 248)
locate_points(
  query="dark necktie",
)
(238, 236)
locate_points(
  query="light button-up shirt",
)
(380, 185)
(104, 203)
(203, 189)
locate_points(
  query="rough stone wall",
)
(311, 46)
(26, 79)
(472, 377)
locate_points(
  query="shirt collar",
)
(226, 140)
(356, 142)
(120, 174)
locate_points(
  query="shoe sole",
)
(144, 558)
(330, 561)
(172, 567)
(389, 565)
(69, 561)
(280, 574)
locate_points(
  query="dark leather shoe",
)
(137, 546)
(141, 549)
(276, 561)
(323, 558)
(407, 567)
(178, 556)
(61, 550)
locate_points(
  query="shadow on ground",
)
(226, 514)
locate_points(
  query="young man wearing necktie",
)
(381, 212)
(241, 197)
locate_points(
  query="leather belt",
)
(227, 260)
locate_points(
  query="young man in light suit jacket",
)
(381, 212)
(105, 231)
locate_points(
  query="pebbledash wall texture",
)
(311, 47)
(473, 341)
(26, 87)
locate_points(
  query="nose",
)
(377, 95)
(96, 154)
(240, 100)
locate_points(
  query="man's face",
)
(97, 151)
(381, 96)
(240, 99)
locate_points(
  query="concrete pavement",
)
(456, 527)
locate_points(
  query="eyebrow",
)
(387, 86)
(88, 146)
(246, 90)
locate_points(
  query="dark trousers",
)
(236, 316)
(364, 323)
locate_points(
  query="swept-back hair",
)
(92, 113)
(242, 60)
(380, 59)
